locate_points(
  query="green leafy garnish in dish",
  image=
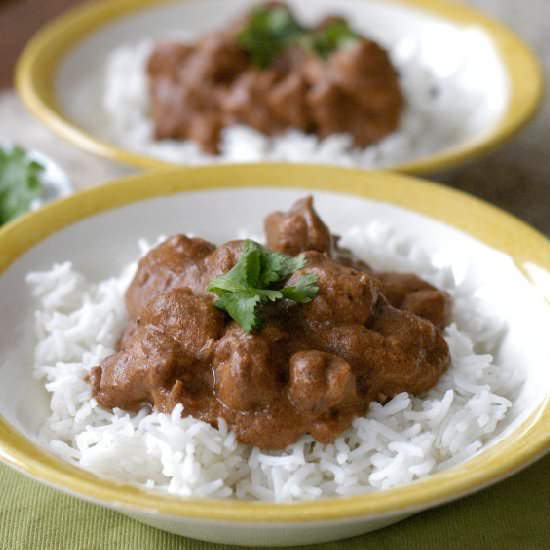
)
(269, 31)
(253, 281)
(337, 34)
(19, 182)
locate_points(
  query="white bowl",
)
(97, 230)
(490, 83)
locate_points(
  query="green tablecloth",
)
(515, 515)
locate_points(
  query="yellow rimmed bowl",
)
(60, 74)
(97, 230)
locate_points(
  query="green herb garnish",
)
(19, 182)
(243, 289)
(273, 29)
(269, 31)
(334, 36)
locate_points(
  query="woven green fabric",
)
(515, 515)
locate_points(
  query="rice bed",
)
(443, 103)
(78, 323)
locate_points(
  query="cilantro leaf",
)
(277, 266)
(19, 182)
(269, 31)
(244, 274)
(334, 36)
(304, 290)
(245, 287)
(241, 306)
(272, 29)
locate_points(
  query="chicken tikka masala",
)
(295, 338)
(271, 73)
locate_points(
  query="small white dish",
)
(55, 182)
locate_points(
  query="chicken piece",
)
(398, 352)
(298, 230)
(245, 102)
(169, 108)
(175, 263)
(191, 321)
(185, 87)
(166, 59)
(356, 92)
(245, 367)
(409, 292)
(287, 100)
(217, 59)
(416, 355)
(129, 378)
(174, 332)
(320, 381)
(364, 71)
(334, 111)
(346, 296)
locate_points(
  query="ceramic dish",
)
(55, 182)
(60, 75)
(97, 229)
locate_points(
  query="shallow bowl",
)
(97, 230)
(60, 74)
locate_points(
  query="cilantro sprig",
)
(271, 30)
(243, 289)
(19, 182)
(337, 34)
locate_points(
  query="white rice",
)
(443, 102)
(78, 323)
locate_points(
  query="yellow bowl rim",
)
(44, 53)
(484, 222)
